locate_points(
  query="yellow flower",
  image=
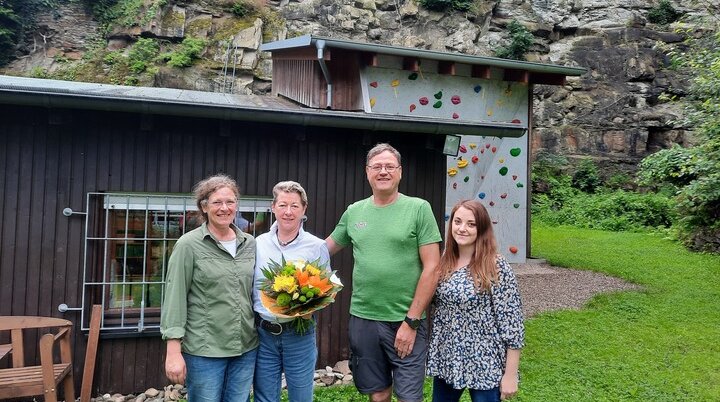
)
(312, 270)
(283, 283)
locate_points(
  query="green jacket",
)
(208, 295)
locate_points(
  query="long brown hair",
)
(482, 267)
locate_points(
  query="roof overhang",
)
(186, 103)
(537, 72)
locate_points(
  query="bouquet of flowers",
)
(295, 289)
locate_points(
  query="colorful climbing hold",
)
(462, 163)
(514, 177)
(455, 116)
(477, 89)
(413, 76)
(513, 249)
(487, 145)
(515, 151)
(501, 160)
(492, 203)
(463, 148)
(503, 196)
(466, 179)
(515, 121)
(438, 95)
(494, 149)
(482, 150)
(395, 83)
(475, 159)
(455, 99)
(447, 217)
(424, 101)
(454, 186)
(519, 185)
(372, 102)
(412, 107)
(437, 105)
(452, 172)
(374, 84)
(481, 196)
(490, 112)
(516, 206)
(503, 171)
(472, 145)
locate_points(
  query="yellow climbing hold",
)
(372, 102)
(472, 145)
(452, 172)
(462, 163)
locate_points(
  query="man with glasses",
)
(395, 250)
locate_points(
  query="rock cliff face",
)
(613, 113)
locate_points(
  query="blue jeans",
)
(443, 392)
(292, 353)
(215, 379)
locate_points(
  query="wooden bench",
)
(19, 380)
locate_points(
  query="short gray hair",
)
(204, 188)
(290, 187)
(380, 148)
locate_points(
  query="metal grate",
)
(128, 241)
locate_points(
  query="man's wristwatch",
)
(414, 323)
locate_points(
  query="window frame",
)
(117, 225)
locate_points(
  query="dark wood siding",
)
(51, 159)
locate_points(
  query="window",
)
(128, 241)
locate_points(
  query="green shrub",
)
(620, 181)
(695, 172)
(619, 210)
(663, 13)
(551, 186)
(10, 31)
(190, 49)
(142, 54)
(586, 177)
(520, 41)
(243, 8)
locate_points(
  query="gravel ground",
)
(547, 288)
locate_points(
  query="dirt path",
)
(546, 288)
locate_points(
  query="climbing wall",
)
(490, 169)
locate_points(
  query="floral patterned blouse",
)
(471, 331)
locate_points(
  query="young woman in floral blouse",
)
(477, 330)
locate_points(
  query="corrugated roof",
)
(180, 102)
(311, 40)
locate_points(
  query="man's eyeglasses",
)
(388, 168)
(218, 204)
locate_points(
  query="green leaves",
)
(520, 41)
(695, 172)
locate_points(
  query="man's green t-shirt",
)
(386, 242)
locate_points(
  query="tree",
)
(695, 172)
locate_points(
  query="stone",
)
(343, 366)
(366, 4)
(151, 392)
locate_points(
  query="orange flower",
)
(321, 283)
(302, 277)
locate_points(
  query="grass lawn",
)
(661, 344)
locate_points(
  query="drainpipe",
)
(320, 45)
